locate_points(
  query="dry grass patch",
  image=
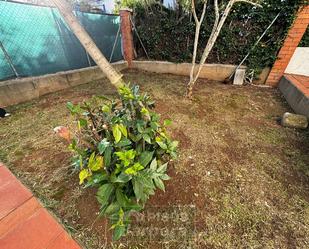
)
(246, 176)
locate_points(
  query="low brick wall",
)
(20, 90)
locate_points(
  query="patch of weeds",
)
(239, 224)
(269, 165)
(236, 101)
(243, 218)
(300, 160)
(272, 136)
(3, 156)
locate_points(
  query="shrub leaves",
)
(121, 148)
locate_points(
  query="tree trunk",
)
(218, 24)
(66, 12)
(198, 23)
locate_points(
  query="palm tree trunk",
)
(66, 12)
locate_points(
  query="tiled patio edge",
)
(24, 222)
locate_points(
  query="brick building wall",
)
(290, 44)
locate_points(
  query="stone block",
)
(239, 77)
(294, 120)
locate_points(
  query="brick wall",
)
(126, 35)
(290, 44)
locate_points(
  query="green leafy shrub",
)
(123, 150)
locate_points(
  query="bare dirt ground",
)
(241, 180)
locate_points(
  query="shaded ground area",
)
(241, 180)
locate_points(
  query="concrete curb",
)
(295, 94)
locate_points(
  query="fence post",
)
(126, 35)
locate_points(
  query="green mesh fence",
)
(5, 69)
(38, 41)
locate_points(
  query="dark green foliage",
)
(122, 149)
(168, 34)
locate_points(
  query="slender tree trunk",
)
(198, 23)
(66, 12)
(218, 24)
(196, 37)
(212, 40)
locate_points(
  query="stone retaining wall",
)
(217, 72)
(20, 90)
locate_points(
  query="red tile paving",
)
(12, 192)
(24, 223)
(63, 241)
(300, 81)
(19, 215)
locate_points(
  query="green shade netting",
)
(39, 42)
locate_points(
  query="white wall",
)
(299, 63)
(169, 3)
(109, 6)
